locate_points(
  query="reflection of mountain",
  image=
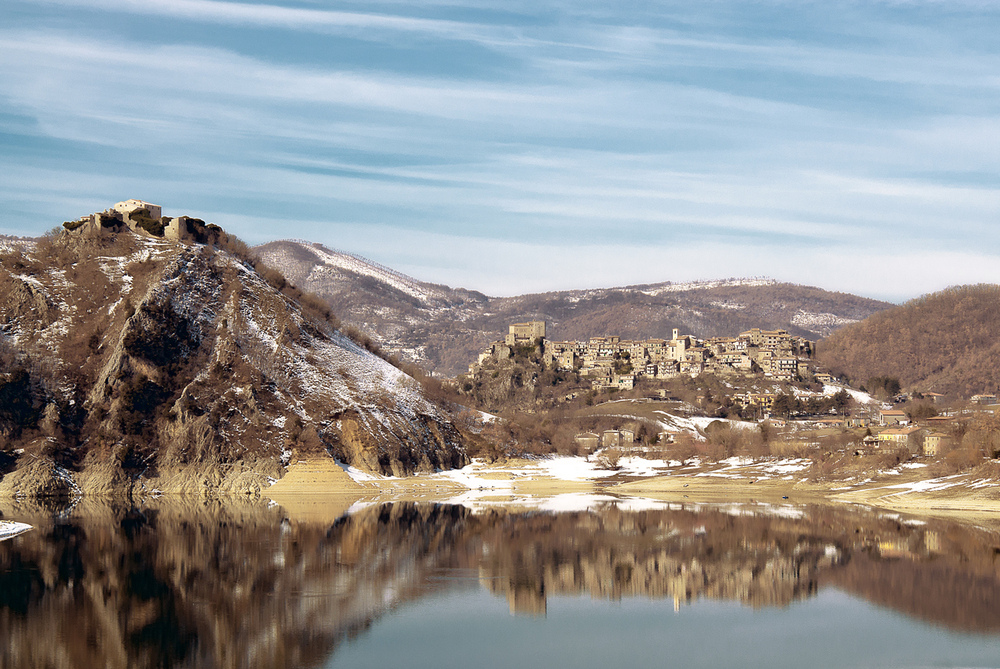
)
(221, 587)
(244, 586)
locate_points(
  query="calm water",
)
(423, 585)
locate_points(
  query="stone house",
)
(893, 417)
(126, 207)
(784, 368)
(617, 438)
(624, 381)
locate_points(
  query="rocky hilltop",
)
(444, 329)
(129, 362)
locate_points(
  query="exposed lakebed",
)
(207, 584)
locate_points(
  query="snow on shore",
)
(573, 502)
(929, 485)
(10, 529)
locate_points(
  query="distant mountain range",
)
(946, 342)
(444, 329)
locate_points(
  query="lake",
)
(612, 582)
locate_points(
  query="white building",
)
(128, 206)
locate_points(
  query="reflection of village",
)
(228, 587)
(612, 362)
(754, 559)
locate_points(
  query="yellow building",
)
(936, 443)
(901, 437)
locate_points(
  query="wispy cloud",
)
(699, 140)
(277, 16)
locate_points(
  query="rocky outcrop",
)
(160, 365)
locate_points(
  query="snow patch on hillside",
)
(857, 395)
(365, 267)
(695, 425)
(723, 304)
(810, 319)
(22, 244)
(671, 287)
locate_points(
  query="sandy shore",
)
(323, 490)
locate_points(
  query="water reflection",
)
(227, 585)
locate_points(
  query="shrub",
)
(140, 400)
(162, 338)
(609, 458)
(142, 219)
(16, 407)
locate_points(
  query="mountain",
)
(945, 342)
(132, 362)
(444, 329)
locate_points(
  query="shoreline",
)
(312, 484)
(321, 489)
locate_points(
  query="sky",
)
(514, 147)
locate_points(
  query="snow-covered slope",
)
(313, 264)
(329, 258)
(684, 286)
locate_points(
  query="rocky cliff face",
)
(444, 329)
(132, 361)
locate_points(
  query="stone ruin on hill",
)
(144, 218)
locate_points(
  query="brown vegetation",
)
(945, 342)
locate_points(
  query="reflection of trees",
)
(242, 586)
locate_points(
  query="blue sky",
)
(535, 146)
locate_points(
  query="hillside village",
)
(612, 362)
(770, 378)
